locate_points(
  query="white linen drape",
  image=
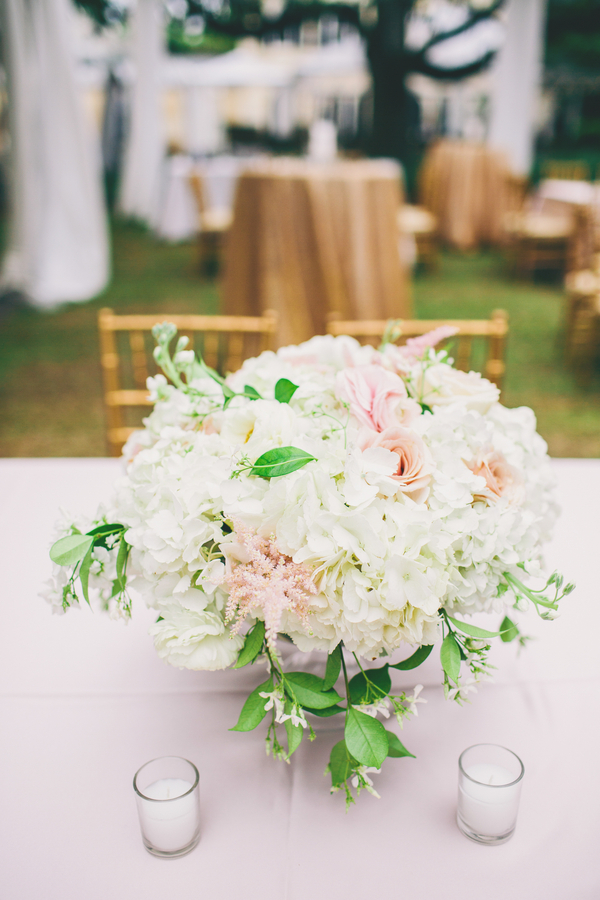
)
(145, 143)
(516, 83)
(58, 244)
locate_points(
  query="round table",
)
(309, 238)
(467, 186)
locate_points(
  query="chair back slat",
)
(224, 342)
(138, 358)
(566, 169)
(494, 331)
(210, 349)
(463, 355)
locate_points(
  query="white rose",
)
(192, 638)
(441, 385)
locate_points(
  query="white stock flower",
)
(192, 637)
(442, 385)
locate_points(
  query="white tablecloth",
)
(85, 701)
(578, 193)
(178, 215)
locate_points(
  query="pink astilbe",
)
(267, 581)
(416, 347)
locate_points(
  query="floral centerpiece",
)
(355, 501)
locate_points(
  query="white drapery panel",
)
(58, 243)
(145, 142)
(516, 87)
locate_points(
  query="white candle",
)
(169, 818)
(489, 788)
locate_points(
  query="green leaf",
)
(294, 732)
(251, 392)
(308, 690)
(366, 738)
(450, 656)
(115, 528)
(324, 713)
(360, 690)
(473, 630)
(418, 657)
(103, 531)
(341, 764)
(253, 710)
(332, 669)
(285, 390)
(228, 395)
(280, 461)
(508, 630)
(252, 645)
(396, 747)
(122, 563)
(84, 573)
(71, 549)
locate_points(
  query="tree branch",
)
(252, 23)
(477, 15)
(441, 74)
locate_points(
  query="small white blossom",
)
(362, 780)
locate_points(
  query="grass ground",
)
(50, 391)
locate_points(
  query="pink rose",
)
(415, 464)
(377, 397)
(501, 479)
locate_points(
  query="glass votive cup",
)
(489, 788)
(168, 805)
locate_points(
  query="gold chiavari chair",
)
(213, 225)
(126, 357)
(494, 331)
(566, 169)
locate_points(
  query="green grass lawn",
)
(50, 387)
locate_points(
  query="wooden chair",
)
(493, 330)
(126, 351)
(213, 226)
(538, 240)
(422, 226)
(582, 326)
(566, 169)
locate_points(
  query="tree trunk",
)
(394, 113)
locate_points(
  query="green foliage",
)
(508, 630)
(473, 630)
(370, 685)
(280, 461)
(418, 657)
(285, 390)
(252, 645)
(333, 667)
(253, 710)
(251, 392)
(366, 738)
(308, 690)
(450, 657)
(341, 764)
(396, 747)
(84, 573)
(70, 550)
(325, 713)
(294, 733)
